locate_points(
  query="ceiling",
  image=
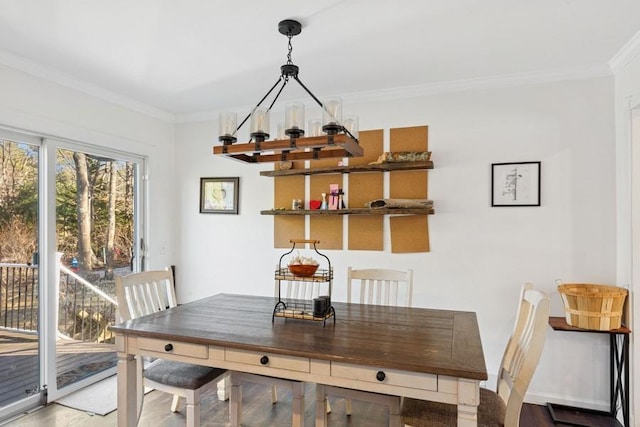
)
(190, 56)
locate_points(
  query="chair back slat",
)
(523, 351)
(140, 294)
(380, 286)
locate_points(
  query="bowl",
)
(302, 270)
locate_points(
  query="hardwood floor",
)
(257, 412)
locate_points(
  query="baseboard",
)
(543, 399)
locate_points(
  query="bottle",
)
(324, 201)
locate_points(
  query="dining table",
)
(421, 353)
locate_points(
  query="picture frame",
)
(219, 195)
(515, 184)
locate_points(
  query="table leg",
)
(127, 385)
(468, 400)
(321, 406)
(235, 401)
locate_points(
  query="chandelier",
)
(333, 137)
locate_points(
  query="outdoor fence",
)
(19, 296)
(84, 310)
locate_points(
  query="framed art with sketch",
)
(515, 184)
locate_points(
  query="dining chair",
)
(144, 293)
(380, 287)
(502, 407)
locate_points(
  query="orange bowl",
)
(302, 270)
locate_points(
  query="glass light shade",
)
(332, 112)
(351, 124)
(260, 121)
(228, 125)
(315, 128)
(294, 117)
(280, 134)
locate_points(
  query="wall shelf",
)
(367, 181)
(351, 211)
(383, 167)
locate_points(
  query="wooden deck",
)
(19, 367)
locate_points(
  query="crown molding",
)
(483, 83)
(66, 80)
(629, 51)
(462, 85)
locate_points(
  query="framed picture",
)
(515, 184)
(219, 195)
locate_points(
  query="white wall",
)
(480, 256)
(35, 105)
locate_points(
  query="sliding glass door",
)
(20, 379)
(70, 222)
(96, 230)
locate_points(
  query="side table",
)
(619, 371)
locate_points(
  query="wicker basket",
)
(595, 307)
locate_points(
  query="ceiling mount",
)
(289, 27)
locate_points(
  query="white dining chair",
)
(148, 292)
(502, 407)
(380, 287)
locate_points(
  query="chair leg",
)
(223, 388)
(174, 403)
(297, 404)
(192, 409)
(347, 406)
(274, 394)
(322, 406)
(395, 413)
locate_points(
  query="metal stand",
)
(619, 375)
(303, 309)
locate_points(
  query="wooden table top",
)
(442, 342)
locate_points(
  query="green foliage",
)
(18, 182)
(19, 203)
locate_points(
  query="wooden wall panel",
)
(287, 188)
(365, 232)
(409, 233)
(327, 229)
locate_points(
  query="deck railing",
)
(19, 296)
(84, 310)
